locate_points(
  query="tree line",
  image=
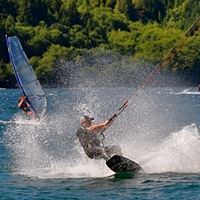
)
(144, 30)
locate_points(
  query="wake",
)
(188, 91)
(178, 153)
(38, 152)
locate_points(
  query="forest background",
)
(117, 40)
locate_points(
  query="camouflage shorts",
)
(98, 153)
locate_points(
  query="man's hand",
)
(111, 119)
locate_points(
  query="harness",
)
(90, 140)
(25, 107)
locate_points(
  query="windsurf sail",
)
(26, 77)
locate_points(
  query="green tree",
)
(122, 41)
(150, 9)
(68, 13)
(32, 12)
(7, 7)
(46, 66)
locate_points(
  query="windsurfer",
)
(91, 139)
(25, 107)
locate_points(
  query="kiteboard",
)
(120, 164)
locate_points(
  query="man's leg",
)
(96, 153)
(106, 153)
(113, 150)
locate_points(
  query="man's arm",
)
(98, 127)
(101, 127)
(21, 102)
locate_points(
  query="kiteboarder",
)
(91, 139)
(25, 107)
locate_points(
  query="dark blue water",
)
(159, 130)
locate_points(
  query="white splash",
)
(178, 153)
(47, 151)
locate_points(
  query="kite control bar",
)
(120, 110)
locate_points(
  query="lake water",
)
(159, 129)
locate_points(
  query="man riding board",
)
(91, 139)
(25, 107)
